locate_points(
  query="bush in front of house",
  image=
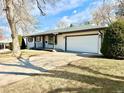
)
(20, 40)
(113, 42)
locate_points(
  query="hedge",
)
(113, 42)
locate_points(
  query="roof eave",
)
(78, 30)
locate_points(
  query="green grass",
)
(88, 75)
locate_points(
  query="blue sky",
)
(81, 11)
(72, 11)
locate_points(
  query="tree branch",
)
(39, 7)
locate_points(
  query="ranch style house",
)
(86, 39)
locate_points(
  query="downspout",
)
(101, 36)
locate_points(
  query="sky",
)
(71, 11)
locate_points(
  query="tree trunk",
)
(12, 24)
(15, 41)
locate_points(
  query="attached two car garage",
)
(83, 43)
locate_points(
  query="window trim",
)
(30, 39)
(38, 38)
(51, 42)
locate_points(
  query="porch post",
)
(35, 42)
(54, 41)
(65, 44)
(43, 41)
(55, 37)
(4, 45)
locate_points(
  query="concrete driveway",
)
(13, 70)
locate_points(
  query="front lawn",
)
(25, 53)
(88, 75)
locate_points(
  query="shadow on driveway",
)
(23, 63)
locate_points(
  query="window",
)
(51, 39)
(38, 39)
(30, 39)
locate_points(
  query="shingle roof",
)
(69, 29)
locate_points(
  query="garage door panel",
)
(83, 43)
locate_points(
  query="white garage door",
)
(83, 43)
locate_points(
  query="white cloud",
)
(84, 15)
(65, 19)
(64, 22)
(55, 8)
(62, 5)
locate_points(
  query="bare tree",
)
(17, 13)
(64, 22)
(103, 14)
(120, 9)
(97, 18)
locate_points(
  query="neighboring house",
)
(75, 39)
(4, 43)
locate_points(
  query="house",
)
(4, 42)
(75, 39)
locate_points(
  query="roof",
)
(69, 30)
